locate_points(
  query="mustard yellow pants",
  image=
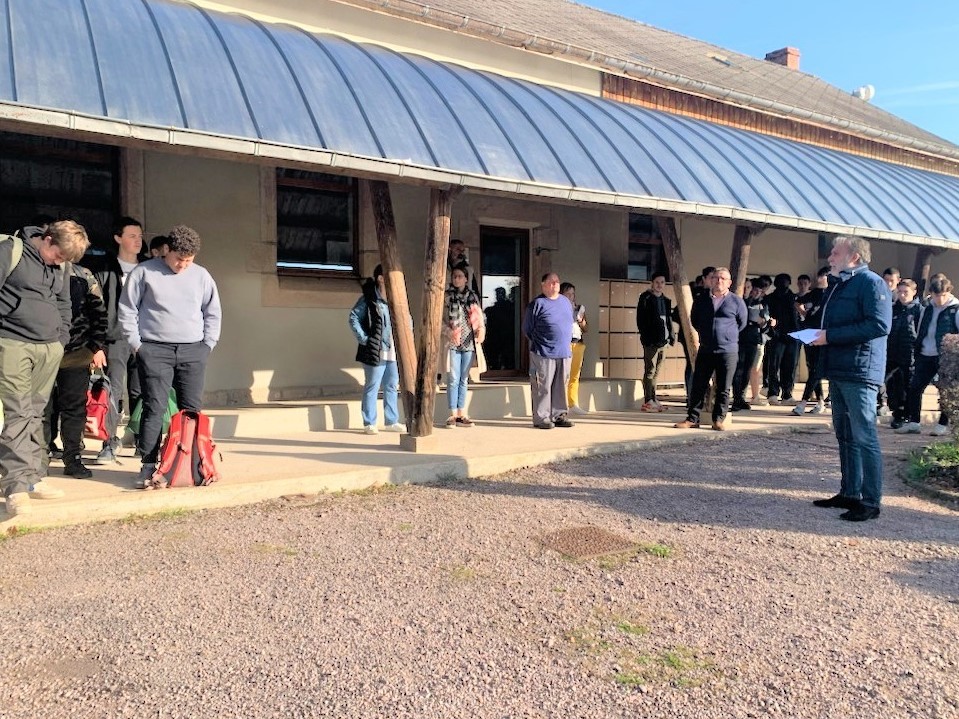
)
(572, 389)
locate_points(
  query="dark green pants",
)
(27, 373)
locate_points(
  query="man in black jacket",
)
(121, 361)
(655, 324)
(34, 327)
(782, 349)
(901, 349)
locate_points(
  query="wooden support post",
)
(431, 329)
(677, 272)
(923, 268)
(396, 292)
(739, 257)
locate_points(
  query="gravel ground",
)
(441, 601)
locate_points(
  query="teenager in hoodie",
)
(939, 318)
(901, 349)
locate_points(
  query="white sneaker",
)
(909, 428)
(774, 401)
(18, 504)
(370, 429)
(883, 411)
(818, 409)
(800, 408)
(575, 409)
(395, 427)
(42, 490)
(939, 430)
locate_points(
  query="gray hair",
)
(856, 244)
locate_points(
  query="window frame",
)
(319, 183)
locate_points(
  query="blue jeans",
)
(458, 378)
(387, 375)
(860, 459)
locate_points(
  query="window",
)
(315, 223)
(645, 249)
(62, 179)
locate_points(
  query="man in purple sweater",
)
(548, 326)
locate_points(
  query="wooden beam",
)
(396, 292)
(739, 257)
(677, 272)
(434, 291)
(923, 267)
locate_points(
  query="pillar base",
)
(410, 443)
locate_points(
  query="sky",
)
(905, 49)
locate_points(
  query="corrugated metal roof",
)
(607, 34)
(276, 90)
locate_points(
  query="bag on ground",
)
(188, 457)
(101, 408)
(137, 414)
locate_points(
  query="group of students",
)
(768, 356)
(149, 323)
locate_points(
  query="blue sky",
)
(906, 50)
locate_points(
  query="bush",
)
(949, 379)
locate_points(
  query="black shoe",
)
(562, 422)
(76, 469)
(838, 502)
(896, 423)
(54, 452)
(740, 406)
(861, 513)
(544, 425)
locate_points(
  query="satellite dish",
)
(866, 92)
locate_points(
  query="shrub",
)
(949, 379)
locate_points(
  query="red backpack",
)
(187, 458)
(100, 407)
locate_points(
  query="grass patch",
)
(370, 491)
(629, 628)
(937, 464)
(462, 573)
(621, 559)
(264, 548)
(163, 514)
(677, 666)
(16, 532)
(663, 551)
(405, 526)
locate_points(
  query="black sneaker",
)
(75, 468)
(544, 425)
(562, 422)
(861, 513)
(740, 406)
(838, 502)
(54, 452)
(896, 423)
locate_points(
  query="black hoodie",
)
(34, 299)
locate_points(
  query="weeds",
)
(264, 548)
(163, 514)
(16, 532)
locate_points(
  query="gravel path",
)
(440, 601)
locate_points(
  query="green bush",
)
(949, 379)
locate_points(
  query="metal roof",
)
(175, 73)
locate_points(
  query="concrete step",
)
(486, 401)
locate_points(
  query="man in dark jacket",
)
(901, 350)
(856, 317)
(121, 360)
(34, 327)
(751, 340)
(718, 317)
(655, 324)
(783, 351)
(88, 331)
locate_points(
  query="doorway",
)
(504, 267)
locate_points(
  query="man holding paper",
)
(856, 317)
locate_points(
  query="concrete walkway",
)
(307, 463)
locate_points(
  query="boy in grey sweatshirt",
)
(170, 314)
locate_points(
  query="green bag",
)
(171, 409)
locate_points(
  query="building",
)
(569, 130)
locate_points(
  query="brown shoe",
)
(686, 424)
(719, 426)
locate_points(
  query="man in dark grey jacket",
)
(35, 316)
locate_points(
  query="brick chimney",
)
(788, 56)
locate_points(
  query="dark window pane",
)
(646, 255)
(316, 221)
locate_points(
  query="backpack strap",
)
(16, 253)
(205, 461)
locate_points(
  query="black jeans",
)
(723, 365)
(783, 357)
(899, 376)
(163, 365)
(814, 380)
(923, 374)
(124, 377)
(744, 367)
(69, 398)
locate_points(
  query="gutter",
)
(412, 10)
